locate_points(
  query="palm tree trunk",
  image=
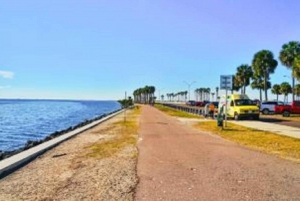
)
(260, 95)
(244, 91)
(265, 86)
(293, 86)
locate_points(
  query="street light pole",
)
(189, 86)
(159, 90)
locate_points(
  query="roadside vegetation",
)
(176, 113)
(257, 75)
(144, 95)
(283, 146)
(126, 137)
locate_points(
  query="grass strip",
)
(127, 134)
(283, 146)
(176, 113)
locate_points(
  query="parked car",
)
(239, 106)
(201, 103)
(191, 103)
(268, 107)
(286, 110)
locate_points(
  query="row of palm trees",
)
(285, 89)
(203, 94)
(180, 96)
(144, 95)
(263, 65)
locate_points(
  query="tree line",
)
(144, 95)
(179, 96)
(264, 65)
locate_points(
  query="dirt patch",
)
(69, 172)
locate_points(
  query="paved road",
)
(177, 162)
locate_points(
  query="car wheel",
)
(236, 117)
(265, 111)
(286, 114)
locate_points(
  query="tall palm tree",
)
(207, 93)
(286, 89)
(276, 90)
(258, 83)
(217, 93)
(297, 67)
(212, 95)
(297, 91)
(287, 57)
(236, 85)
(264, 64)
(243, 75)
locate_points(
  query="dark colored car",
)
(191, 103)
(201, 103)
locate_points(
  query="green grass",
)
(176, 113)
(126, 136)
(283, 146)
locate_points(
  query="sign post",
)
(226, 83)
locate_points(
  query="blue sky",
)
(98, 49)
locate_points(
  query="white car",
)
(268, 107)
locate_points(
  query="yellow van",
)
(239, 106)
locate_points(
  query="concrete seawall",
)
(14, 162)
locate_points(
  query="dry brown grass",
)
(176, 113)
(283, 146)
(125, 135)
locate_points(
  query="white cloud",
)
(6, 74)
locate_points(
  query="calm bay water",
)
(22, 120)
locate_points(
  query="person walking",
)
(212, 110)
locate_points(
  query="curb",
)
(11, 164)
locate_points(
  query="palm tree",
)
(185, 95)
(286, 89)
(297, 91)
(258, 83)
(207, 94)
(287, 57)
(297, 67)
(236, 85)
(217, 93)
(152, 92)
(276, 90)
(212, 95)
(243, 75)
(264, 64)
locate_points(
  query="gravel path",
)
(177, 162)
(66, 173)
